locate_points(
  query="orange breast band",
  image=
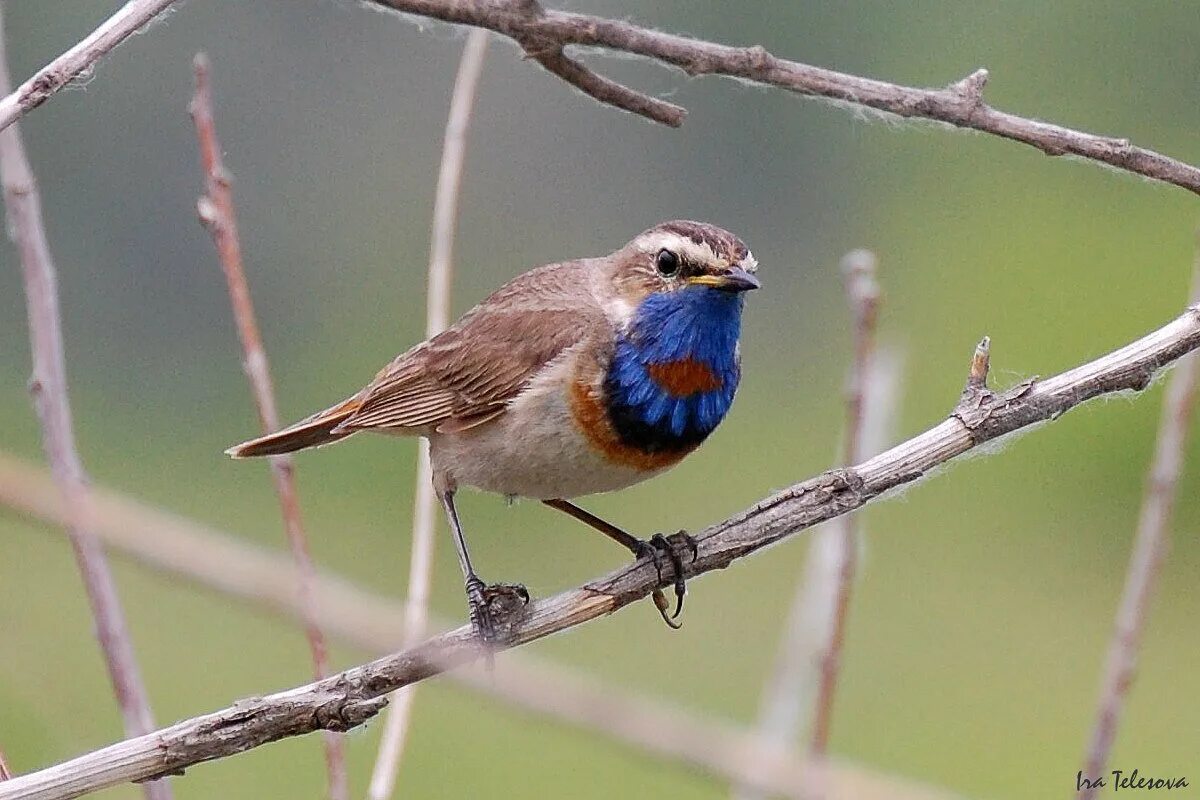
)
(587, 408)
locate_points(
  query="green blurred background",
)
(987, 593)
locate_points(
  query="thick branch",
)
(960, 104)
(48, 386)
(217, 213)
(62, 70)
(543, 34)
(263, 579)
(350, 698)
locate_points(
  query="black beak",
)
(734, 279)
(738, 280)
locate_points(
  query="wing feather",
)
(466, 375)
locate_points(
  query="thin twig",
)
(960, 104)
(814, 629)
(48, 386)
(437, 317)
(217, 213)
(263, 579)
(62, 70)
(5, 772)
(607, 91)
(1149, 552)
(862, 291)
(350, 698)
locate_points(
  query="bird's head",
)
(683, 257)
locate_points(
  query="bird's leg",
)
(480, 596)
(656, 548)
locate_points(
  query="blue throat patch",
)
(694, 324)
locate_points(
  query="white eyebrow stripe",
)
(684, 246)
(749, 263)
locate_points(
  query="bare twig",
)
(815, 626)
(543, 34)
(862, 291)
(437, 317)
(49, 389)
(5, 773)
(62, 70)
(219, 562)
(350, 698)
(1149, 551)
(216, 211)
(609, 91)
(960, 104)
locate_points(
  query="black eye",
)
(666, 262)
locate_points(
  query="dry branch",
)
(960, 104)
(862, 292)
(48, 386)
(544, 33)
(222, 563)
(217, 213)
(62, 70)
(814, 630)
(1149, 551)
(350, 698)
(437, 318)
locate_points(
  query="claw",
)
(505, 599)
(662, 604)
(658, 546)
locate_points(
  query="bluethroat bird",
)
(574, 378)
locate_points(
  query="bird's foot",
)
(661, 548)
(491, 605)
(505, 600)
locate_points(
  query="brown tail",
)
(311, 432)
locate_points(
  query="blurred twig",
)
(815, 627)
(217, 213)
(5, 774)
(862, 291)
(220, 562)
(1149, 551)
(437, 317)
(62, 70)
(543, 33)
(350, 698)
(49, 389)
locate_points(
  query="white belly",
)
(532, 450)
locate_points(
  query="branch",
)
(48, 386)
(1149, 552)
(862, 292)
(62, 70)
(810, 645)
(348, 699)
(226, 565)
(543, 34)
(960, 104)
(216, 212)
(437, 317)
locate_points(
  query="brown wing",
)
(465, 375)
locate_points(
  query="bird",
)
(572, 379)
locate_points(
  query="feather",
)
(466, 375)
